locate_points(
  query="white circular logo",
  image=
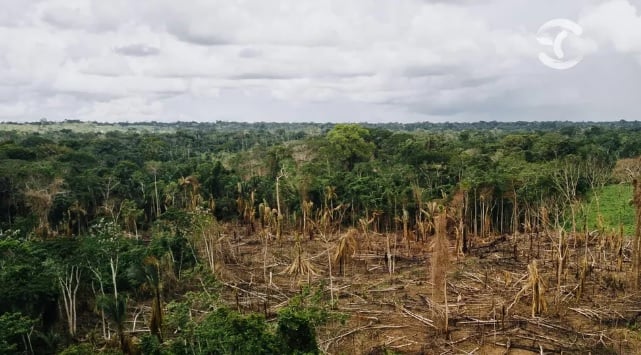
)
(563, 28)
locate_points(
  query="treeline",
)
(225, 126)
(60, 183)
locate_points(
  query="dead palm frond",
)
(428, 225)
(40, 201)
(536, 283)
(300, 264)
(191, 191)
(329, 194)
(347, 245)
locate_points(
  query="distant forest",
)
(61, 177)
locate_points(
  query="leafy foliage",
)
(12, 327)
(26, 285)
(297, 322)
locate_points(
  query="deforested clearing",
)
(488, 238)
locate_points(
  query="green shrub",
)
(298, 321)
(228, 332)
(150, 345)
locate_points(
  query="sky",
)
(317, 60)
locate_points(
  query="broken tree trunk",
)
(440, 261)
(636, 267)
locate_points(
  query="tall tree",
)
(348, 144)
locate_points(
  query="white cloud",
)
(10, 110)
(137, 50)
(285, 60)
(615, 22)
(122, 109)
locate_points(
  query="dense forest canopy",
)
(65, 179)
(111, 212)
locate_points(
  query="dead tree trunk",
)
(69, 283)
(440, 261)
(636, 267)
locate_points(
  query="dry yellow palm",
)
(347, 246)
(300, 264)
(535, 283)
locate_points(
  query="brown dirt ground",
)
(393, 313)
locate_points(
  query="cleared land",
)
(392, 307)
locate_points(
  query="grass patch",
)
(614, 207)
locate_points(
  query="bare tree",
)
(153, 167)
(210, 240)
(69, 282)
(566, 180)
(597, 173)
(279, 217)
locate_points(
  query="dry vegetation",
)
(509, 295)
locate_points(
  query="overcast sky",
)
(315, 60)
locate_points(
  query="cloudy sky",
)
(316, 60)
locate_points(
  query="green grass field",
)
(614, 206)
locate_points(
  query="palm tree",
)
(152, 274)
(130, 214)
(329, 194)
(153, 167)
(191, 195)
(79, 212)
(116, 310)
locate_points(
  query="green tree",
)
(226, 332)
(348, 144)
(14, 328)
(26, 284)
(297, 322)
